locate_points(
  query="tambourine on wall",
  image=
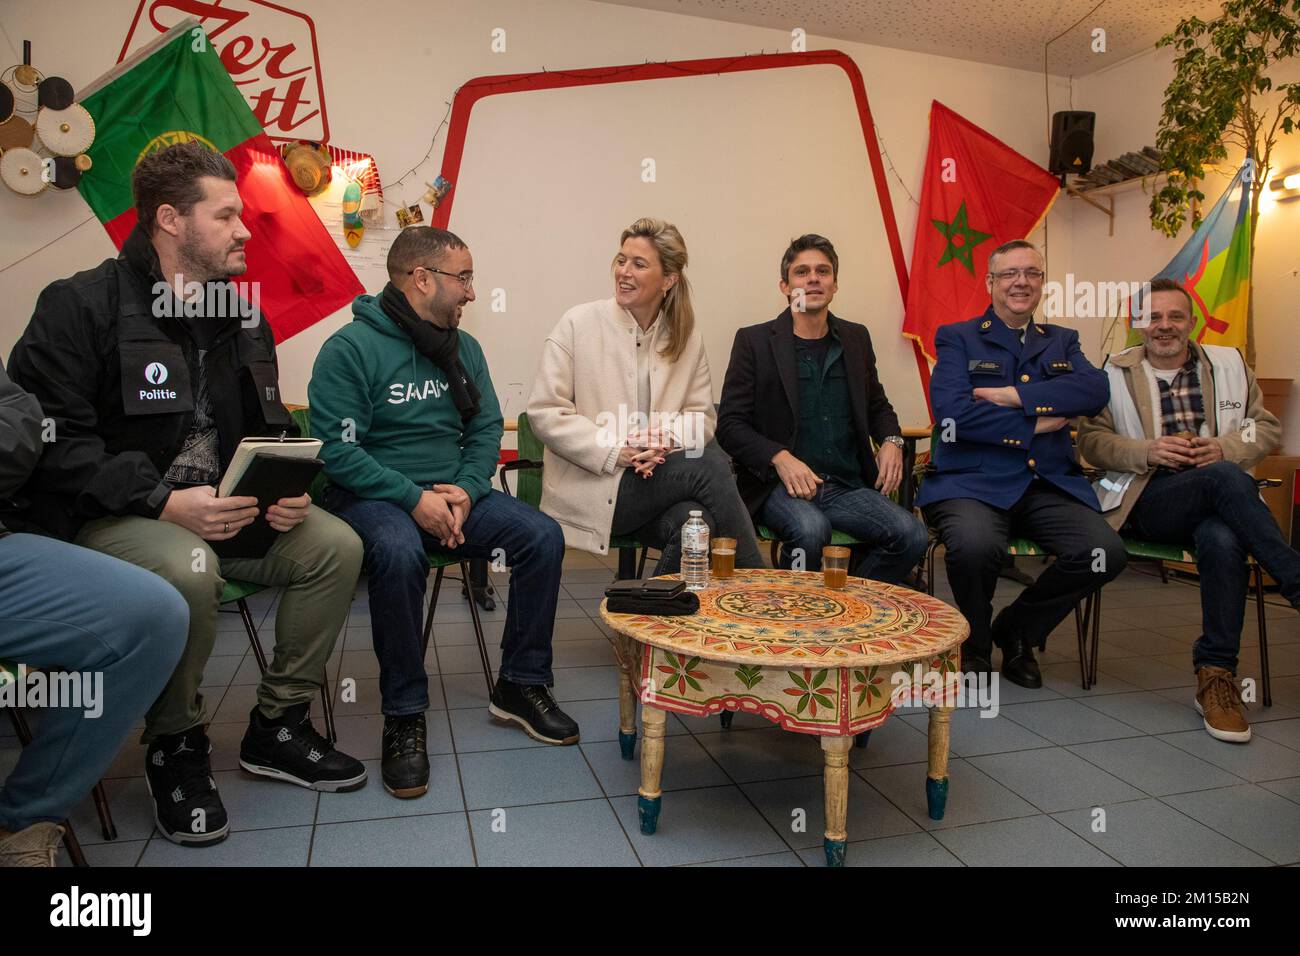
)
(44, 133)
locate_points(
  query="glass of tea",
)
(835, 566)
(723, 551)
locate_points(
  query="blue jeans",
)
(896, 540)
(398, 574)
(65, 608)
(1218, 510)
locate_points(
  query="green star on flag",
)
(961, 239)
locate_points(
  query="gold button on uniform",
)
(1032, 463)
(1024, 378)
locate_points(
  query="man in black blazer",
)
(801, 405)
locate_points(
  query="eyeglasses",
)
(466, 278)
(1010, 275)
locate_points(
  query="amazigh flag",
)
(977, 194)
(176, 89)
(1214, 268)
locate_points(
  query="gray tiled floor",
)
(1121, 774)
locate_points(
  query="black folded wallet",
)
(650, 597)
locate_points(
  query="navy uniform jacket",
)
(994, 454)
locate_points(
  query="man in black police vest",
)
(151, 383)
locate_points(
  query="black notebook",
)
(268, 478)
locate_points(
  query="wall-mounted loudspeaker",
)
(1071, 142)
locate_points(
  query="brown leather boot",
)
(1218, 700)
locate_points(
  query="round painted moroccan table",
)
(781, 645)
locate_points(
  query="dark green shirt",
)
(826, 440)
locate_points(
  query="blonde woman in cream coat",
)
(624, 405)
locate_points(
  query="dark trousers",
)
(531, 543)
(655, 508)
(1217, 509)
(1088, 554)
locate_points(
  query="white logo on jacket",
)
(400, 394)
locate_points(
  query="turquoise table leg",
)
(936, 797)
(627, 744)
(936, 778)
(834, 851)
(725, 718)
(653, 721)
(860, 741)
(647, 809)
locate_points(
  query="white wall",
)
(389, 73)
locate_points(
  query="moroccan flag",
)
(977, 194)
(1214, 267)
(176, 89)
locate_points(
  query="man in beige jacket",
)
(1184, 424)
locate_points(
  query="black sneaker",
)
(290, 749)
(186, 805)
(405, 766)
(533, 707)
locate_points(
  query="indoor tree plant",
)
(1222, 95)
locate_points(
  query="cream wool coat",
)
(583, 393)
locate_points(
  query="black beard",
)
(198, 266)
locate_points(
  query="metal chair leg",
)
(1081, 619)
(433, 604)
(640, 564)
(253, 639)
(73, 846)
(1263, 635)
(327, 706)
(776, 545)
(106, 824)
(929, 566)
(1095, 614)
(478, 636)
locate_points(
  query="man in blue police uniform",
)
(1003, 392)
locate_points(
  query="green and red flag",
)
(978, 193)
(1214, 268)
(176, 89)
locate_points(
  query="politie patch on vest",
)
(155, 379)
(400, 393)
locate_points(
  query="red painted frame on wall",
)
(484, 86)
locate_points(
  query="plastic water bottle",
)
(695, 552)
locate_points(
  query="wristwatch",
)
(896, 440)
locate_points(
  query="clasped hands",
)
(441, 513)
(1174, 452)
(1008, 397)
(200, 511)
(644, 450)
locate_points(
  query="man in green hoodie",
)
(404, 404)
